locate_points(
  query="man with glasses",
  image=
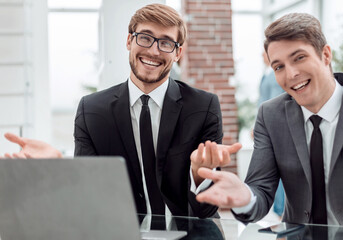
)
(155, 122)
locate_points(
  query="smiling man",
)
(153, 121)
(298, 136)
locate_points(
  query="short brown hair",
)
(160, 14)
(296, 26)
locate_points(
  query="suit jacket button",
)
(141, 195)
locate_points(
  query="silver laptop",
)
(80, 198)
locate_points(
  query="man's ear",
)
(129, 41)
(327, 54)
(179, 52)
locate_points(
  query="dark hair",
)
(296, 26)
(160, 14)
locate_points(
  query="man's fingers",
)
(27, 155)
(207, 197)
(200, 153)
(196, 156)
(15, 155)
(214, 197)
(215, 155)
(7, 155)
(208, 173)
(208, 151)
(235, 147)
(226, 159)
(19, 155)
(15, 139)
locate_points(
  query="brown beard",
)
(146, 80)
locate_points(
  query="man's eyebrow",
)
(274, 62)
(152, 34)
(146, 31)
(289, 56)
(295, 52)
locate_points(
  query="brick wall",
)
(208, 60)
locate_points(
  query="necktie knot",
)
(145, 99)
(315, 119)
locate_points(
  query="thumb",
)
(208, 173)
(235, 147)
(15, 139)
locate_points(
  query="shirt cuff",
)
(205, 184)
(249, 206)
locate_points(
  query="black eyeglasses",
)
(146, 41)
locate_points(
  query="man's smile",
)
(301, 85)
(149, 62)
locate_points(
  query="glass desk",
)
(231, 229)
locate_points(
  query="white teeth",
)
(150, 62)
(300, 85)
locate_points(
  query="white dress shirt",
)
(329, 113)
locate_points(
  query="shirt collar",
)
(157, 95)
(331, 108)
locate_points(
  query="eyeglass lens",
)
(164, 45)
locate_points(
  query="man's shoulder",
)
(281, 99)
(187, 90)
(106, 93)
(276, 105)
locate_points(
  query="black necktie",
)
(317, 168)
(149, 159)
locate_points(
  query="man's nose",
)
(292, 72)
(153, 50)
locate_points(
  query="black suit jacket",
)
(189, 116)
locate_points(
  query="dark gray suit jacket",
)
(281, 151)
(189, 116)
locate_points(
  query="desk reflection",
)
(316, 232)
(231, 229)
(196, 228)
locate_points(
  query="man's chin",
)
(148, 81)
(152, 80)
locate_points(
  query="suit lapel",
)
(122, 116)
(295, 121)
(338, 141)
(169, 117)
